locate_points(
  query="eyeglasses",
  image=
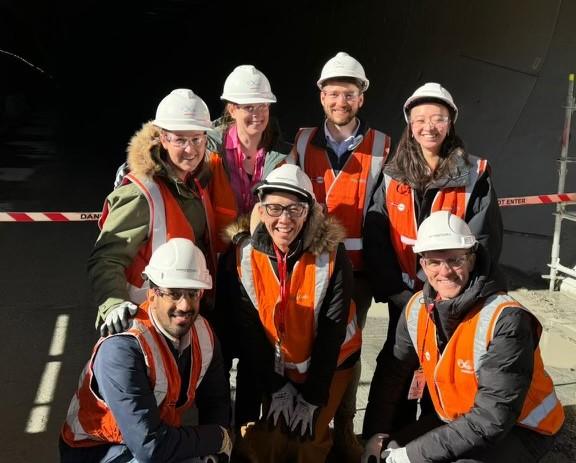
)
(293, 210)
(434, 121)
(254, 108)
(455, 263)
(176, 294)
(183, 142)
(348, 96)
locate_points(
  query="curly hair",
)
(409, 166)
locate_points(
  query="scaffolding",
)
(562, 213)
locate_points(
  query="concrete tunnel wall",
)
(507, 66)
(505, 62)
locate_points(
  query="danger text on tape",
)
(538, 199)
(49, 216)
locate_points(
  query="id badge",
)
(278, 359)
(417, 385)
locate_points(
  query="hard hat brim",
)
(442, 246)
(283, 187)
(178, 283)
(180, 126)
(249, 100)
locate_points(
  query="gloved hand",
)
(226, 447)
(282, 404)
(373, 448)
(118, 319)
(120, 174)
(396, 455)
(304, 418)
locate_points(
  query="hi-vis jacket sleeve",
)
(123, 383)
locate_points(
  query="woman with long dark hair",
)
(430, 171)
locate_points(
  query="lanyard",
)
(429, 310)
(282, 306)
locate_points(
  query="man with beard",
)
(134, 391)
(344, 158)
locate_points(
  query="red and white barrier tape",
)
(539, 199)
(92, 216)
(49, 216)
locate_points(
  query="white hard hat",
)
(343, 65)
(429, 92)
(289, 178)
(247, 85)
(182, 110)
(443, 230)
(178, 263)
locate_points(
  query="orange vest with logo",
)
(223, 201)
(347, 194)
(403, 221)
(90, 421)
(452, 377)
(309, 282)
(167, 221)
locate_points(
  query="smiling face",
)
(341, 102)
(185, 149)
(283, 229)
(448, 271)
(430, 123)
(251, 119)
(176, 310)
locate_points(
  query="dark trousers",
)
(520, 445)
(406, 410)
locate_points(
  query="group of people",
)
(221, 241)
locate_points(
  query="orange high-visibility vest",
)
(452, 377)
(346, 195)
(223, 201)
(90, 421)
(403, 222)
(166, 221)
(309, 282)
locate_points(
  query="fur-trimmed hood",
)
(144, 151)
(320, 233)
(146, 156)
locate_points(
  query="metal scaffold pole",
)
(561, 213)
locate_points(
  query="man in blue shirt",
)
(137, 385)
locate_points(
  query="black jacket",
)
(318, 235)
(503, 380)
(482, 215)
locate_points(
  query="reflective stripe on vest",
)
(161, 227)
(485, 327)
(94, 411)
(156, 227)
(349, 206)
(322, 274)
(541, 410)
(403, 229)
(538, 414)
(302, 144)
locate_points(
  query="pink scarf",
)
(240, 181)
